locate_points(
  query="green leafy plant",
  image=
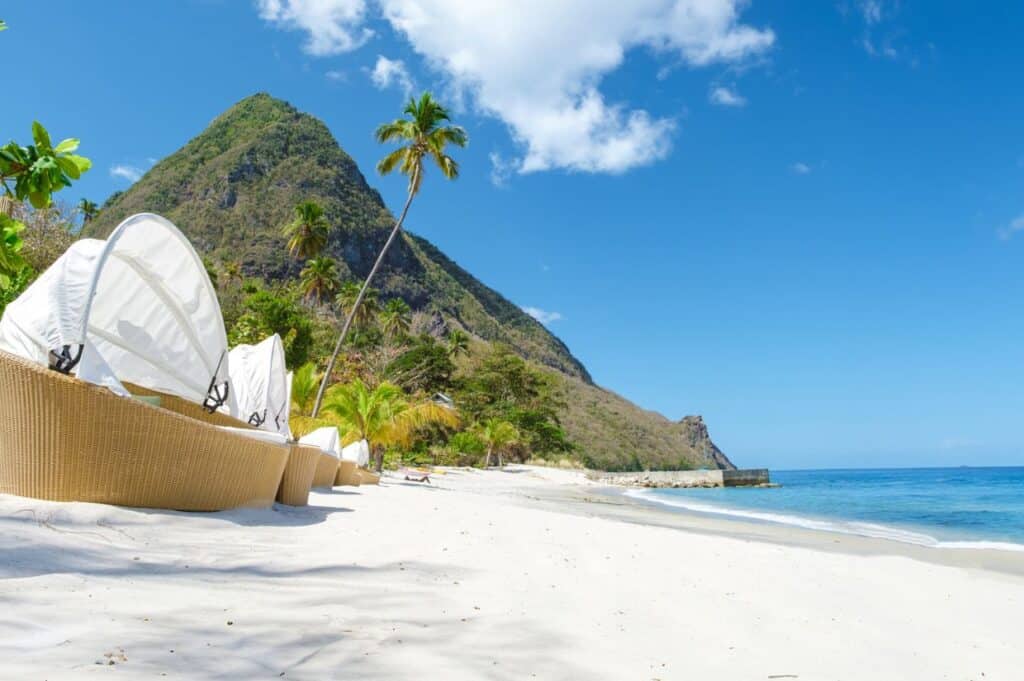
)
(11, 262)
(40, 169)
(3, 26)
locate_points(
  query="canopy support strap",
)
(63, 361)
(216, 395)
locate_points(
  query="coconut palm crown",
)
(307, 233)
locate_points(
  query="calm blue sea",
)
(951, 507)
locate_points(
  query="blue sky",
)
(803, 221)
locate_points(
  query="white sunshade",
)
(259, 381)
(327, 439)
(358, 452)
(138, 307)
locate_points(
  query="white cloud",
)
(800, 168)
(542, 316)
(537, 65)
(387, 72)
(126, 172)
(871, 10)
(1015, 226)
(724, 96)
(334, 26)
(336, 76)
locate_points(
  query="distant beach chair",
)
(414, 475)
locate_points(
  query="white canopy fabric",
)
(138, 307)
(327, 439)
(260, 384)
(358, 452)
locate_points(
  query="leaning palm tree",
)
(424, 133)
(319, 278)
(382, 416)
(307, 233)
(362, 315)
(458, 343)
(89, 210)
(394, 318)
(497, 435)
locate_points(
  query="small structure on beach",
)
(752, 477)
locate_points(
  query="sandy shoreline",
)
(488, 575)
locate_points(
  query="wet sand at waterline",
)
(516, 574)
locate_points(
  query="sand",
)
(488, 575)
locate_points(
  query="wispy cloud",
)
(391, 72)
(336, 76)
(1016, 225)
(542, 316)
(333, 26)
(871, 10)
(800, 168)
(126, 172)
(724, 96)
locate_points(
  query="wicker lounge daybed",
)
(113, 365)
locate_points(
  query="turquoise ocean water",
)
(947, 507)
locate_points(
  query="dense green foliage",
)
(265, 312)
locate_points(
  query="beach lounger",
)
(414, 475)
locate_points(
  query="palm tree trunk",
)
(355, 306)
(379, 459)
(487, 461)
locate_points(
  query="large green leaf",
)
(67, 146)
(41, 137)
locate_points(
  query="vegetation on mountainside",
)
(424, 135)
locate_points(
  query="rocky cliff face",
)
(694, 433)
(234, 186)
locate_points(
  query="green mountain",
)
(231, 189)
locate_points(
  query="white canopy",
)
(327, 439)
(358, 452)
(138, 307)
(260, 384)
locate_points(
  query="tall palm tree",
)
(458, 342)
(307, 233)
(424, 133)
(319, 278)
(347, 300)
(89, 210)
(382, 416)
(497, 435)
(394, 318)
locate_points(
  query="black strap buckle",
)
(63, 361)
(216, 395)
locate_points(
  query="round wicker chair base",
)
(298, 475)
(66, 440)
(368, 477)
(326, 471)
(347, 474)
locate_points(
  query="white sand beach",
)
(488, 575)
